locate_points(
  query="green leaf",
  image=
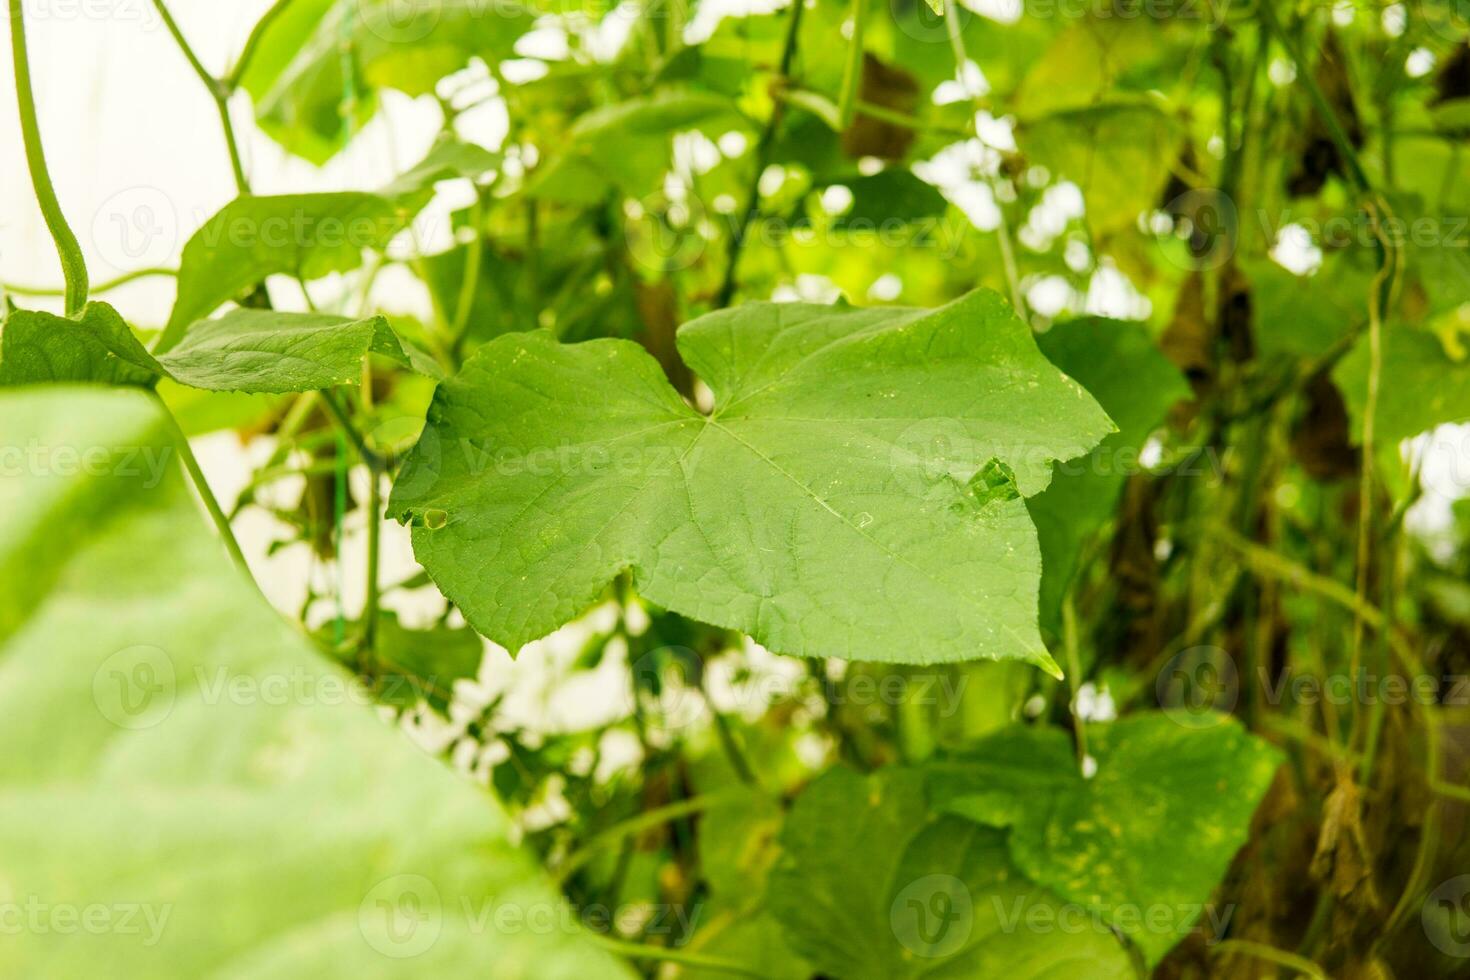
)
(1088, 62)
(447, 159)
(98, 346)
(176, 756)
(876, 885)
(1419, 388)
(245, 350)
(825, 507)
(303, 235)
(266, 351)
(1158, 824)
(1303, 316)
(888, 198)
(1119, 154)
(413, 665)
(251, 238)
(628, 145)
(281, 42)
(737, 848)
(1119, 365)
(380, 44)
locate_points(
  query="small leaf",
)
(266, 351)
(1420, 387)
(246, 350)
(303, 235)
(300, 87)
(629, 145)
(408, 666)
(98, 346)
(1119, 154)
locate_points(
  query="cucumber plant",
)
(990, 474)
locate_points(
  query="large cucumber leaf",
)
(1156, 826)
(183, 791)
(855, 491)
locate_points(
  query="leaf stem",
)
(374, 536)
(73, 265)
(762, 159)
(465, 302)
(1003, 229)
(252, 43)
(1074, 677)
(726, 738)
(646, 820)
(1319, 100)
(339, 415)
(211, 503)
(220, 91)
(1270, 954)
(371, 592)
(852, 72)
(102, 287)
(667, 954)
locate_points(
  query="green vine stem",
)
(17, 289)
(1269, 954)
(667, 954)
(252, 43)
(1383, 287)
(211, 503)
(762, 159)
(646, 820)
(852, 73)
(1002, 230)
(1074, 679)
(73, 266)
(220, 89)
(369, 647)
(339, 415)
